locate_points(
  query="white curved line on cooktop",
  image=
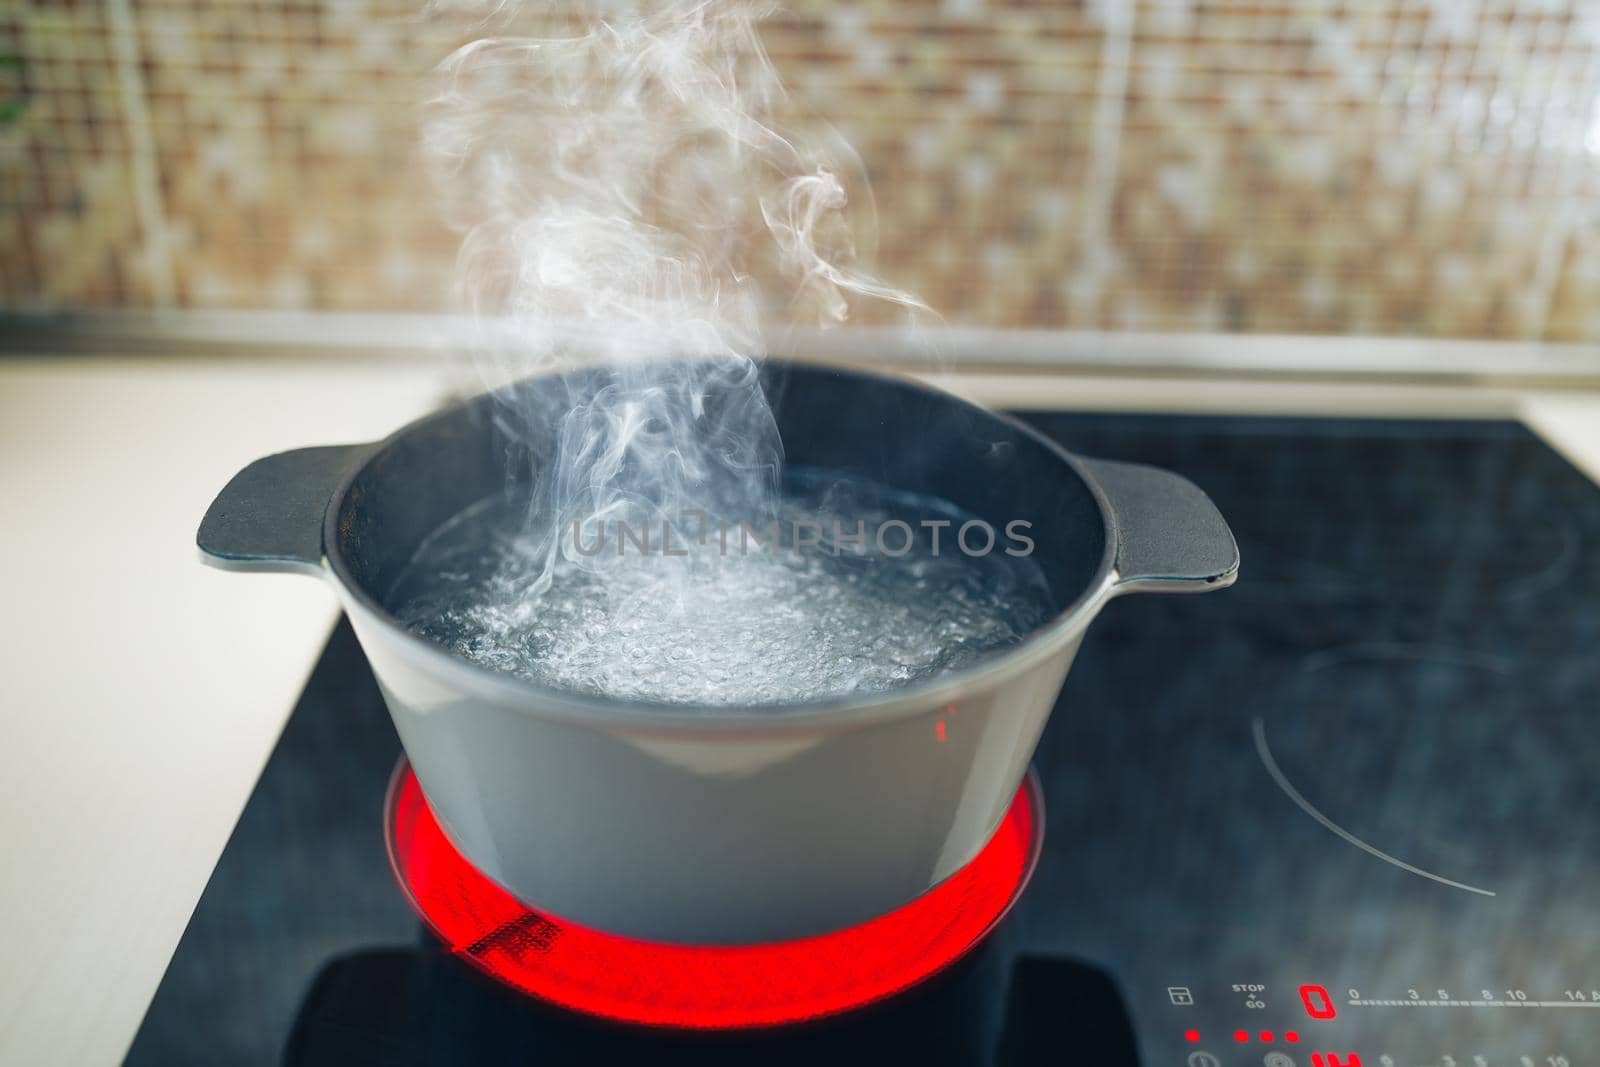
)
(1259, 729)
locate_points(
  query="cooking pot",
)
(725, 825)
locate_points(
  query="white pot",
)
(728, 825)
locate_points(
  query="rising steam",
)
(627, 196)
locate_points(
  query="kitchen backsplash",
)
(1374, 166)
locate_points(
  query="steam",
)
(628, 197)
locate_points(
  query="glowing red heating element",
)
(704, 987)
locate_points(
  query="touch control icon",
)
(1277, 1059)
(1203, 1059)
(1179, 994)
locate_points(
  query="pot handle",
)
(1170, 536)
(269, 515)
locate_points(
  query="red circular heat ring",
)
(695, 986)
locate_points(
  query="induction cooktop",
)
(1347, 812)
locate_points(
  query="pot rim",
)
(765, 719)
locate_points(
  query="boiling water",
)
(729, 622)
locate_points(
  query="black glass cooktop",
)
(1345, 812)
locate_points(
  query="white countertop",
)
(140, 693)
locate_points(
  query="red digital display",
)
(1318, 1004)
(1192, 1036)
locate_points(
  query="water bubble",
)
(712, 630)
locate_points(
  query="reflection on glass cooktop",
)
(1341, 813)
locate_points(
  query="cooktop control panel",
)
(1315, 1024)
